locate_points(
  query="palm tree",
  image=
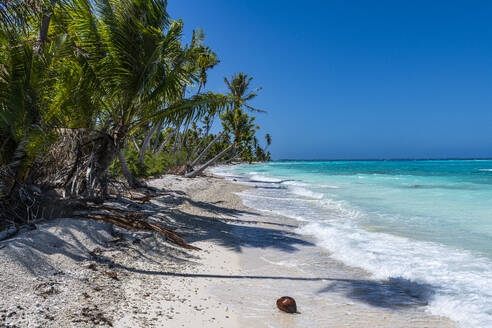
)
(238, 124)
(28, 77)
(30, 71)
(268, 139)
(134, 54)
(205, 60)
(240, 94)
(200, 59)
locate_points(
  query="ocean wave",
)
(329, 187)
(262, 178)
(283, 206)
(340, 210)
(295, 183)
(282, 198)
(306, 192)
(462, 281)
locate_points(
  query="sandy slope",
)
(62, 273)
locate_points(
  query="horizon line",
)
(386, 159)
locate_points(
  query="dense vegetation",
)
(90, 89)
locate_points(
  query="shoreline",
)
(329, 293)
(232, 282)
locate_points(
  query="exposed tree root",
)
(133, 221)
(144, 199)
(9, 233)
(143, 195)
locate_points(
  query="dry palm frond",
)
(133, 221)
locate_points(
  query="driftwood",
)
(133, 221)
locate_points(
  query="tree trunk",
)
(86, 174)
(196, 172)
(185, 131)
(178, 127)
(156, 140)
(165, 142)
(201, 142)
(146, 143)
(126, 171)
(104, 154)
(45, 25)
(234, 156)
(197, 160)
(135, 143)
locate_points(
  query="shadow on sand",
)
(395, 293)
(228, 230)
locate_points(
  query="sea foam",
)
(461, 282)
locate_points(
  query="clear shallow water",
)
(426, 221)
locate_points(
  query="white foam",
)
(306, 192)
(340, 210)
(486, 170)
(295, 183)
(461, 281)
(302, 184)
(281, 263)
(223, 171)
(329, 187)
(262, 178)
(256, 195)
(280, 206)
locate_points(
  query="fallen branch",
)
(131, 221)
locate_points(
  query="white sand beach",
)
(82, 273)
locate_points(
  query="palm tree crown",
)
(240, 92)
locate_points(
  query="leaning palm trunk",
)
(176, 139)
(233, 157)
(183, 138)
(126, 171)
(157, 133)
(197, 148)
(165, 142)
(135, 143)
(146, 143)
(196, 172)
(198, 159)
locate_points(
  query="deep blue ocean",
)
(425, 221)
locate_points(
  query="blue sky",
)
(358, 79)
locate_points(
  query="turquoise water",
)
(426, 221)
